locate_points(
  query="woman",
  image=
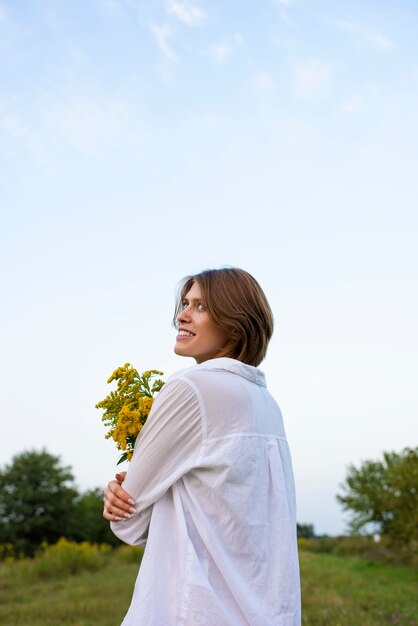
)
(210, 488)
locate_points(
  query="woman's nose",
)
(184, 315)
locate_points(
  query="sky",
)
(142, 141)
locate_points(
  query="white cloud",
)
(379, 40)
(3, 14)
(239, 39)
(37, 146)
(162, 35)
(263, 82)
(219, 52)
(293, 131)
(13, 125)
(26, 140)
(119, 6)
(113, 5)
(353, 105)
(90, 124)
(311, 80)
(376, 39)
(76, 120)
(283, 5)
(186, 12)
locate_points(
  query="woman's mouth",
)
(185, 333)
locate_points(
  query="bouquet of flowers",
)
(126, 409)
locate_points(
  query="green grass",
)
(351, 591)
(86, 599)
(336, 591)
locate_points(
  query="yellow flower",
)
(126, 409)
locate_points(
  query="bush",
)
(63, 559)
(67, 557)
(365, 547)
(344, 546)
(128, 554)
(8, 552)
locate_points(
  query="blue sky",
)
(143, 141)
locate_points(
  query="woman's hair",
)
(235, 302)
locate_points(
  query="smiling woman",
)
(234, 303)
(198, 334)
(210, 489)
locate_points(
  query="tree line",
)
(39, 503)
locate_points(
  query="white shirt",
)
(215, 504)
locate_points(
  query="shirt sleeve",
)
(168, 446)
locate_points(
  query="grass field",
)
(351, 591)
(337, 591)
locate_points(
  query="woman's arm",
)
(168, 447)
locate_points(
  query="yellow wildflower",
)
(126, 409)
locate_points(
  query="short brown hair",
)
(236, 302)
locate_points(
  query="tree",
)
(305, 530)
(383, 497)
(87, 520)
(36, 500)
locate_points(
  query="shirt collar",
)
(235, 367)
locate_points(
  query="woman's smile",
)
(182, 332)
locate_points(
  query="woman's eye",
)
(198, 306)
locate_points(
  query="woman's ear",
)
(235, 334)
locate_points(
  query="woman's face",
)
(198, 336)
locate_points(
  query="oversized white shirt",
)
(212, 479)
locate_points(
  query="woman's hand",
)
(118, 504)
